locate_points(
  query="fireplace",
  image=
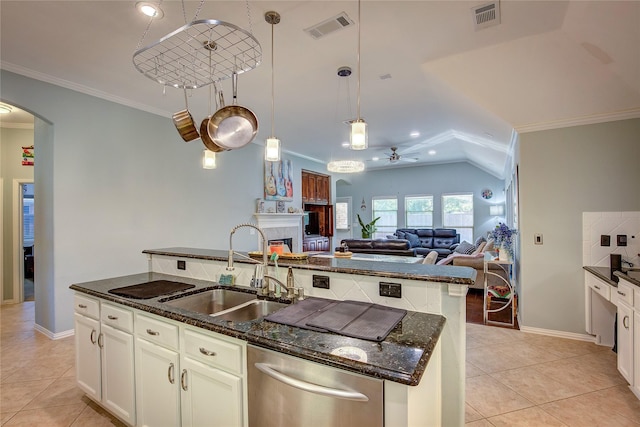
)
(282, 226)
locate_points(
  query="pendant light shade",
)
(208, 159)
(359, 139)
(272, 150)
(272, 144)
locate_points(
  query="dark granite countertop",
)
(373, 267)
(604, 273)
(402, 357)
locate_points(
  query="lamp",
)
(496, 210)
(208, 159)
(359, 126)
(345, 166)
(272, 145)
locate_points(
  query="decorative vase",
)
(503, 254)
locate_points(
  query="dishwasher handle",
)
(312, 388)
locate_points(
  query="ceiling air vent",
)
(329, 26)
(486, 15)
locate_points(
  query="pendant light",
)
(345, 166)
(272, 144)
(359, 138)
(208, 159)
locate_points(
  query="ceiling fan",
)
(395, 157)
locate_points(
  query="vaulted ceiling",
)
(424, 68)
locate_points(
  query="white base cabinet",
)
(105, 356)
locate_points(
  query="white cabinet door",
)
(88, 375)
(210, 397)
(636, 354)
(157, 385)
(625, 342)
(118, 382)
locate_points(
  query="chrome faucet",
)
(291, 291)
(261, 268)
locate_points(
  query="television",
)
(311, 223)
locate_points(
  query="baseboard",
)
(53, 336)
(559, 334)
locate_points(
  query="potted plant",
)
(368, 229)
(504, 237)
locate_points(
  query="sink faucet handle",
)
(300, 293)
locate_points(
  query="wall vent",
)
(486, 15)
(329, 26)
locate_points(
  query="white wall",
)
(563, 173)
(11, 143)
(112, 181)
(435, 180)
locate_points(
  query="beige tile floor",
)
(520, 379)
(513, 379)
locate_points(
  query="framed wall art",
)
(278, 180)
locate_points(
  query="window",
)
(457, 212)
(418, 211)
(387, 209)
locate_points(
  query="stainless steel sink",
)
(212, 301)
(250, 311)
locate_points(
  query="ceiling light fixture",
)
(5, 109)
(432, 152)
(272, 145)
(359, 138)
(414, 134)
(149, 9)
(345, 166)
(208, 159)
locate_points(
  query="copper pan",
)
(184, 123)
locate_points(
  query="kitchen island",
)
(421, 362)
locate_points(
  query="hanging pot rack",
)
(181, 59)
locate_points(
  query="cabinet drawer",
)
(86, 306)
(117, 317)
(600, 287)
(157, 331)
(218, 352)
(625, 293)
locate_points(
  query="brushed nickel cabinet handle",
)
(622, 293)
(101, 340)
(150, 332)
(183, 379)
(207, 352)
(82, 306)
(110, 317)
(597, 287)
(92, 337)
(625, 322)
(170, 373)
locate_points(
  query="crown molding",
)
(633, 113)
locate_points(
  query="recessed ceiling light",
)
(345, 144)
(150, 9)
(5, 109)
(414, 134)
(375, 159)
(432, 152)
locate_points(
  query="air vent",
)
(329, 26)
(486, 15)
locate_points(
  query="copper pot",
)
(184, 123)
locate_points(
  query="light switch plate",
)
(537, 239)
(621, 239)
(605, 240)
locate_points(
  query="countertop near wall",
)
(605, 273)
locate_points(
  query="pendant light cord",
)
(358, 60)
(273, 91)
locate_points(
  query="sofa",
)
(425, 240)
(475, 260)
(400, 247)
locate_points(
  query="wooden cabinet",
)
(105, 355)
(315, 188)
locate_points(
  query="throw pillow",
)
(400, 234)
(489, 246)
(479, 249)
(479, 240)
(413, 239)
(465, 248)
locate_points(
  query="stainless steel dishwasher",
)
(288, 391)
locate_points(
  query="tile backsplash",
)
(596, 224)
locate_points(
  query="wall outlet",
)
(320, 281)
(182, 264)
(621, 239)
(605, 240)
(393, 290)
